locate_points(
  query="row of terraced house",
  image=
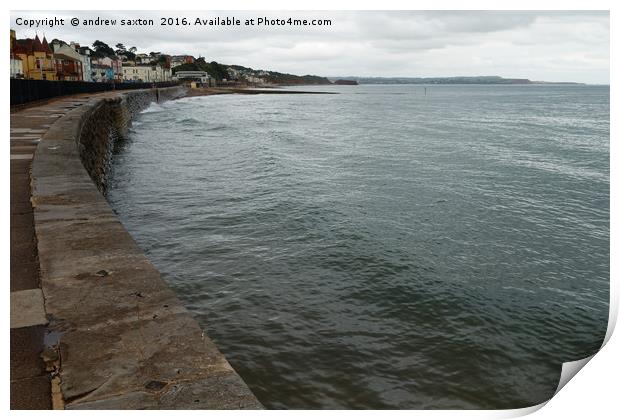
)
(33, 58)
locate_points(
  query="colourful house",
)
(36, 56)
(101, 73)
(68, 62)
(114, 63)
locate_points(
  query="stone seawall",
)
(106, 122)
(118, 337)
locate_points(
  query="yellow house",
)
(37, 57)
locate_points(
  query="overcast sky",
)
(549, 46)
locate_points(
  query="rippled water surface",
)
(380, 248)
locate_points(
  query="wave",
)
(154, 107)
(189, 120)
(217, 127)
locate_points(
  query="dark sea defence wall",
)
(106, 122)
(119, 337)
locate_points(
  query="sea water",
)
(382, 247)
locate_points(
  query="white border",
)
(592, 394)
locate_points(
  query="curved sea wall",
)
(105, 123)
(119, 337)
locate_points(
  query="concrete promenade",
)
(30, 383)
(93, 325)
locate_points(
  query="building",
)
(177, 60)
(37, 57)
(114, 63)
(143, 59)
(254, 80)
(17, 68)
(84, 53)
(68, 68)
(195, 76)
(101, 73)
(233, 73)
(68, 62)
(146, 74)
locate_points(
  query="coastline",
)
(117, 336)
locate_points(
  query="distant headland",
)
(457, 80)
(346, 82)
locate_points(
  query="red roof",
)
(46, 46)
(28, 46)
(37, 46)
(23, 46)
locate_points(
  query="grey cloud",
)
(546, 45)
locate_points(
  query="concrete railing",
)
(119, 337)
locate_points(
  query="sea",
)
(384, 246)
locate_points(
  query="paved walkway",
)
(30, 383)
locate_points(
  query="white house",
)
(197, 76)
(234, 73)
(253, 79)
(84, 53)
(17, 67)
(147, 74)
(143, 58)
(177, 60)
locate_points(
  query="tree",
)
(186, 67)
(123, 52)
(217, 70)
(101, 50)
(133, 50)
(165, 61)
(128, 55)
(154, 57)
